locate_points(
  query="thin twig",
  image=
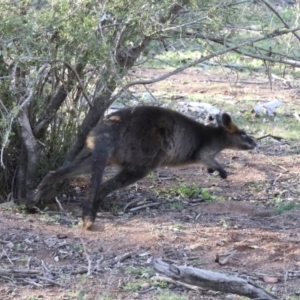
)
(98, 262)
(88, 258)
(28, 263)
(78, 80)
(278, 138)
(226, 259)
(277, 178)
(146, 206)
(50, 281)
(5, 253)
(175, 282)
(30, 281)
(202, 59)
(118, 259)
(59, 204)
(273, 9)
(132, 202)
(7, 133)
(45, 268)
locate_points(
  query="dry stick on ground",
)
(278, 138)
(59, 204)
(213, 280)
(118, 259)
(51, 281)
(18, 273)
(227, 256)
(146, 206)
(28, 276)
(132, 202)
(169, 280)
(88, 258)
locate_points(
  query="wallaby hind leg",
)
(81, 164)
(96, 195)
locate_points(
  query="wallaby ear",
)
(228, 124)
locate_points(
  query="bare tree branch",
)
(56, 101)
(31, 147)
(79, 82)
(273, 9)
(12, 118)
(202, 59)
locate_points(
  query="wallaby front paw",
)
(223, 174)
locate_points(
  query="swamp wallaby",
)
(139, 140)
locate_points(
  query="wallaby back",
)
(141, 139)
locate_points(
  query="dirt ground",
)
(251, 218)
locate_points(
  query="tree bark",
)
(55, 103)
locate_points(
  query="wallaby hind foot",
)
(87, 223)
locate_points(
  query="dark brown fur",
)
(139, 140)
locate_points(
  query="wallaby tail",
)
(104, 147)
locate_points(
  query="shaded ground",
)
(253, 215)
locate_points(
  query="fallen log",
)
(213, 280)
(18, 272)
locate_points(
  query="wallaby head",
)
(140, 140)
(235, 138)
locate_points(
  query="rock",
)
(145, 285)
(7, 204)
(267, 108)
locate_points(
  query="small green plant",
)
(167, 295)
(77, 247)
(76, 295)
(224, 223)
(115, 208)
(197, 262)
(160, 283)
(49, 218)
(293, 297)
(133, 286)
(283, 207)
(206, 195)
(140, 271)
(177, 227)
(176, 205)
(278, 199)
(21, 209)
(81, 295)
(158, 228)
(248, 115)
(182, 191)
(109, 297)
(23, 259)
(20, 247)
(188, 191)
(255, 186)
(151, 175)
